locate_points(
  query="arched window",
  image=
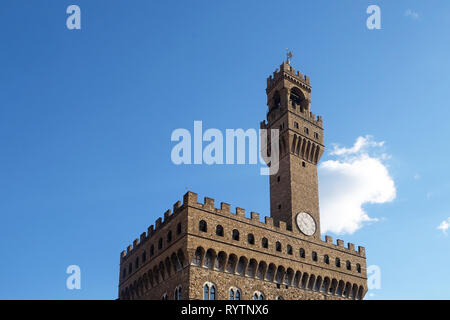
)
(160, 243)
(202, 226)
(179, 228)
(144, 256)
(265, 243)
(349, 265)
(326, 259)
(289, 249)
(236, 235)
(302, 253)
(219, 230)
(338, 262)
(358, 268)
(152, 250)
(130, 268)
(165, 297)
(124, 273)
(314, 256)
(278, 246)
(251, 238)
(177, 294)
(169, 236)
(209, 291)
(198, 256)
(258, 295)
(235, 294)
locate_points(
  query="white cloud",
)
(358, 176)
(412, 14)
(444, 225)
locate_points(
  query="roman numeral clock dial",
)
(306, 223)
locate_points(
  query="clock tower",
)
(294, 194)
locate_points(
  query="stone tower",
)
(203, 250)
(294, 189)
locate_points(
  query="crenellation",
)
(340, 243)
(254, 217)
(190, 198)
(350, 246)
(240, 212)
(167, 215)
(143, 237)
(176, 206)
(329, 239)
(268, 221)
(151, 231)
(208, 203)
(362, 251)
(158, 223)
(225, 207)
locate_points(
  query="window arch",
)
(144, 256)
(236, 234)
(338, 262)
(265, 243)
(177, 294)
(326, 259)
(348, 264)
(278, 246)
(314, 256)
(202, 226)
(165, 297)
(251, 238)
(235, 294)
(258, 295)
(179, 228)
(302, 253)
(219, 230)
(169, 236)
(209, 291)
(160, 243)
(358, 268)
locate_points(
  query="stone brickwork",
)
(197, 244)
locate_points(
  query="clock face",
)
(306, 223)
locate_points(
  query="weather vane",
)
(288, 55)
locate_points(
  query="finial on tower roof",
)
(288, 55)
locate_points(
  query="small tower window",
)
(316, 135)
(358, 268)
(278, 178)
(302, 253)
(152, 250)
(326, 259)
(144, 256)
(296, 125)
(289, 249)
(278, 246)
(202, 226)
(349, 265)
(169, 236)
(303, 164)
(314, 256)
(179, 228)
(338, 262)
(219, 230)
(265, 243)
(251, 238)
(160, 243)
(306, 130)
(236, 235)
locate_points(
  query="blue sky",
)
(86, 117)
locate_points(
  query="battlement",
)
(286, 71)
(190, 199)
